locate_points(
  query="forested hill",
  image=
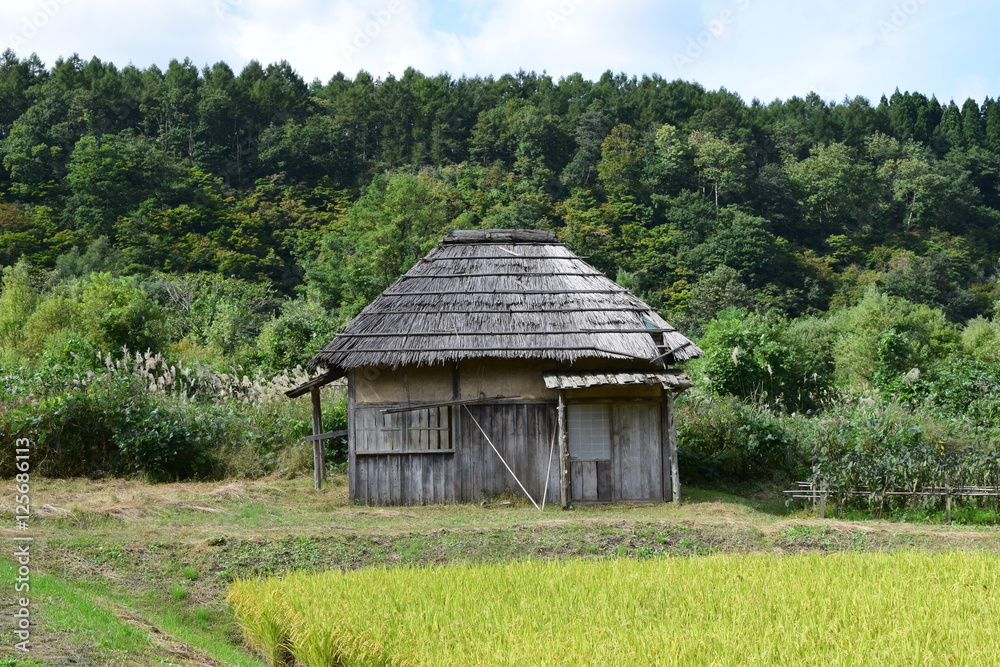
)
(327, 191)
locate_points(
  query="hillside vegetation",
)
(201, 232)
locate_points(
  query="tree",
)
(714, 292)
(910, 178)
(110, 176)
(749, 356)
(16, 77)
(222, 314)
(973, 124)
(18, 298)
(720, 164)
(222, 133)
(670, 160)
(591, 129)
(586, 230)
(922, 336)
(744, 244)
(834, 186)
(308, 152)
(35, 238)
(180, 105)
(116, 312)
(622, 160)
(395, 223)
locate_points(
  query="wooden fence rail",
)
(817, 492)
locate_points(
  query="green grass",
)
(22, 662)
(128, 545)
(62, 608)
(194, 629)
(905, 608)
(77, 617)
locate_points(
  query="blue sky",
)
(762, 49)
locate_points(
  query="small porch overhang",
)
(670, 380)
(316, 383)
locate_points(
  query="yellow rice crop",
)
(840, 609)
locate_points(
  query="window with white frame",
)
(589, 427)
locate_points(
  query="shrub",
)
(923, 337)
(883, 447)
(136, 414)
(73, 435)
(963, 387)
(723, 439)
(981, 339)
(748, 355)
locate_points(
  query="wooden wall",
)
(521, 432)
(424, 468)
(524, 435)
(404, 479)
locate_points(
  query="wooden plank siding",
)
(441, 455)
(634, 471)
(469, 470)
(522, 433)
(583, 480)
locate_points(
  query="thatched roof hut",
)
(502, 340)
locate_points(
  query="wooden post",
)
(318, 463)
(947, 502)
(352, 467)
(671, 435)
(822, 499)
(564, 488)
(460, 463)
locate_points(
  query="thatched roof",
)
(504, 294)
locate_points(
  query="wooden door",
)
(591, 478)
(637, 458)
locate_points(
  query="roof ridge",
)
(479, 236)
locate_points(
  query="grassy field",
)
(127, 573)
(848, 608)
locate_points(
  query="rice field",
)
(905, 608)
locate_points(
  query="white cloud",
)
(760, 49)
(116, 31)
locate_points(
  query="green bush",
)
(960, 387)
(884, 447)
(164, 443)
(749, 356)
(921, 337)
(72, 434)
(724, 439)
(137, 415)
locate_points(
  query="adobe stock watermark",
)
(226, 8)
(900, 16)
(714, 29)
(373, 28)
(22, 545)
(563, 11)
(33, 23)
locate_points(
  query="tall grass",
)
(857, 609)
(137, 413)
